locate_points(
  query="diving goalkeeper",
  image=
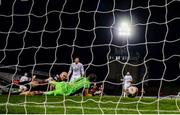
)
(68, 88)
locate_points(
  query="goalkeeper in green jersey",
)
(68, 88)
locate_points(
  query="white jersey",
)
(127, 81)
(23, 78)
(77, 70)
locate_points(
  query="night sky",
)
(37, 33)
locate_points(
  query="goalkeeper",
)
(69, 88)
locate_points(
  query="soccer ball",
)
(132, 91)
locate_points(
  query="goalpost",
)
(111, 37)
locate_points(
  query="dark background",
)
(45, 35)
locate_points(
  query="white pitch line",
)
(95, 108)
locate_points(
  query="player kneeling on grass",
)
(69, 88)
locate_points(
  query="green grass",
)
(86, 105)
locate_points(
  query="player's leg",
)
(86, 92)
(49, 93)
(125, 90)
(74, 78)
(28, 93)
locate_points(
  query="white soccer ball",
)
(132, 91)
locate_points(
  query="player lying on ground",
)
(69, 88)
(24, 82)
(35, 87)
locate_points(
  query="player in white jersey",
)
(126, 82)
(76, 69)
(24, 78)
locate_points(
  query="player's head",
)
(128, 73)
(76, 60)
(92, 77)
(132, 91)
(25, 74)
(63, 76)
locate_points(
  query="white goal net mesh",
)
(42, 37)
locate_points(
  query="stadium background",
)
(66, 25)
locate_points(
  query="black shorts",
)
(38, 88)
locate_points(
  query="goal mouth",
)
(81, 56)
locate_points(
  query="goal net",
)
(110, 37)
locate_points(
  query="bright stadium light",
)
(124, 29)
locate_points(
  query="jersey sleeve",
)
(70, 69)
(82, 69)
(130, 78)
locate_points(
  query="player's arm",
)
(48, 79)
(82, 70)
(23, 83)
(34, 82)
(53, 82)
(33, 78)
(70, 71)
(94, 85)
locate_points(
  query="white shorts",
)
(125, 86)
(73, 78)
(22, 87)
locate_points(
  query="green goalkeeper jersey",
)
(67, 88)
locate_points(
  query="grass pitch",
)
(87, 105)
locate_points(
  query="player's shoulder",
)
(80, 64)
(23, 77)
(127, 76)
